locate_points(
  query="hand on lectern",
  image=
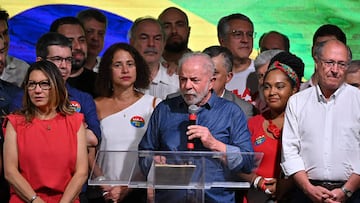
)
(160, 159)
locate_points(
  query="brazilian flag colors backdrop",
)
(298, 19)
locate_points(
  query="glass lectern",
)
(188, 172)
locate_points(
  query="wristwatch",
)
(347, 192)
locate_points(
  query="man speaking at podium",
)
(221, 126)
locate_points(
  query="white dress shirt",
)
(238, 82)
(322, 137)
(163, 84)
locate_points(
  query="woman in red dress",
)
(280, 82)
(45, 156)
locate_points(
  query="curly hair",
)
(104, 81)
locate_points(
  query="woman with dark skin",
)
(280, 82)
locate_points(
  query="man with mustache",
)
(177, 29)
(236, 32)
(14, 69)
(95, 23)
(221, 126)
(148, 38)
(80, 78)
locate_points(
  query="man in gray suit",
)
(223, 61)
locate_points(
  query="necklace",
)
(274, 130)
(46, 124)
(45, 120)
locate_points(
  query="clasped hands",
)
(320, 194)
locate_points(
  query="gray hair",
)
(265, 57)
(318, 50)
(353, 67)
(223, 24)
(214, 51)
(208, 65)
(142, 19)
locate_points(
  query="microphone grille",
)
(193, 108)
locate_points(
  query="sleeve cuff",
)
(292, 166)
(234, 159)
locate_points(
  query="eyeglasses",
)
(57, 59)
(238, 34)
(44, 85)
(332, 63)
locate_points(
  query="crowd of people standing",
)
(70, 103)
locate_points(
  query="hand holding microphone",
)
(192, 109)
(200, 134)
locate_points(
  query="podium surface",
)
(172, 170)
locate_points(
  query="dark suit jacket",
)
(247, 108)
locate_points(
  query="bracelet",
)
(256, 181)
(33, 198)
(263, 187)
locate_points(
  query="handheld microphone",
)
(192, 121)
